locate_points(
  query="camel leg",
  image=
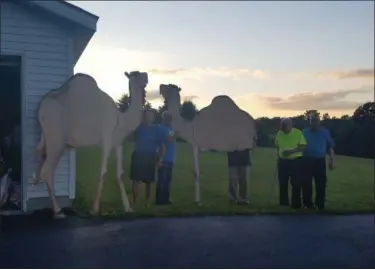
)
(36, 176)
(120, 174)
(103, 172)
(46, 175)
(196, 175)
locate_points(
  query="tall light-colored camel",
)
(221, 126)
(79, 114)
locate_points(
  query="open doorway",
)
(10, 133)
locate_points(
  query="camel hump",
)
(222, 102)
(222, 98)
(78, 81)
(223, 126)
(82, 80)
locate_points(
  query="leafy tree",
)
(308, 113)
(365, 111)
(326, 117)
(147, 105)
(188, 110)
(123, 102)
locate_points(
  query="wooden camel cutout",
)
(221, 126)
(79, 114)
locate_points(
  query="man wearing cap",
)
(319, 143)
(290, 144)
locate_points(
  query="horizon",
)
(274, 59)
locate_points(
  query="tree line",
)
(354, 135)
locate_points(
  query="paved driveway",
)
(206, 242)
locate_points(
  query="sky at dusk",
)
(271, 58)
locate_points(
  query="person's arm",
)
(277, 146)
(133, 135)
(331, 152)
(255, 140)
(161, 138)
(171, 136)
(302, 144)
(160, 154)
(161, 151)
(300, 147)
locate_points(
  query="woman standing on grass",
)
(146, 157)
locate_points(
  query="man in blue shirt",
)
(146, 157)
(165, 170)
(319, 142)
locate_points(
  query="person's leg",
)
(148, 194)
(148, 175)
(320, 176)
(134, 178)
(242, 182)
(233, 180)
(134, 192)
(295, 180)
(283, 176)
(169, 171)
(159, 185)
(307, 177)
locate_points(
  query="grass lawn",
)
(350, 186)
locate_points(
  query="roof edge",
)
(70, 12)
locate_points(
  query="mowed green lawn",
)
(350, 186)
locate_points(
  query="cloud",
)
(349, 74)
(189, 98)
(153, 95)
(332, 100)
(197, 72)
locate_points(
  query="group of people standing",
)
(153, 157)
(300, 159)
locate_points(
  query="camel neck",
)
(129, 120)
(184, 128)
(174, 108)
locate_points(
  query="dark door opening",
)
(10, 133)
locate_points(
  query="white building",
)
(40, 42)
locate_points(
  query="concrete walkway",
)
(207, 242)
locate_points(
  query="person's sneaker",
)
(243, 202)
(246, 202)
(163, 202)
(233, 201)
(310, 207)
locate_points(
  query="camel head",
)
(170, 92)
(137, 80)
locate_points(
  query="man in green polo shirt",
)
(290, 144)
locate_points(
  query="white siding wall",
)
(47, 66)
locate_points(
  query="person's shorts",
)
(143, 167)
